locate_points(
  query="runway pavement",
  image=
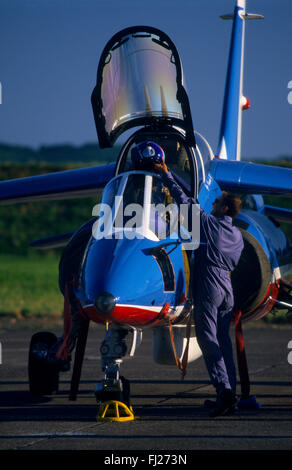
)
(169, 412)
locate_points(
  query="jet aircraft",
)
(143, 280)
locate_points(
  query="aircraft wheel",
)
(123, 395)
(105, 395)
(43, 375)
(126, 390)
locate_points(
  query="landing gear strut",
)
(112, 349)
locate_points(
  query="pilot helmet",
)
(145, 154)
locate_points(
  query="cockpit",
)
(179, 157)
(136, 205)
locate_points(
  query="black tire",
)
(123, 395)
(126, 390)
(43, 376)
(105, 395)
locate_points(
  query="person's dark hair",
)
(232, 202)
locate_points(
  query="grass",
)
(278, 317)
(29, 286)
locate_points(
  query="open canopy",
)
(139, 82)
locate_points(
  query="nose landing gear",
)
(113, 392)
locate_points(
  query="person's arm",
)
(208, 221)
(175, 189)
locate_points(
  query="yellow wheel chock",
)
(114, 410)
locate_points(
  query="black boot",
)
(225, 404)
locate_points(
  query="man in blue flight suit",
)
(220, 249)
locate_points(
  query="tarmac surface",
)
(169, 412)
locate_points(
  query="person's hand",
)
(161, 167)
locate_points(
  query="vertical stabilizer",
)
(234, 102)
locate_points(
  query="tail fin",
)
(230, 134)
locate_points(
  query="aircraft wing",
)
(278, 213)
(251, 178)
(66, 184)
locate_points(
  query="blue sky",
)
(49, 51)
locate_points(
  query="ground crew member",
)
(218, 254)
